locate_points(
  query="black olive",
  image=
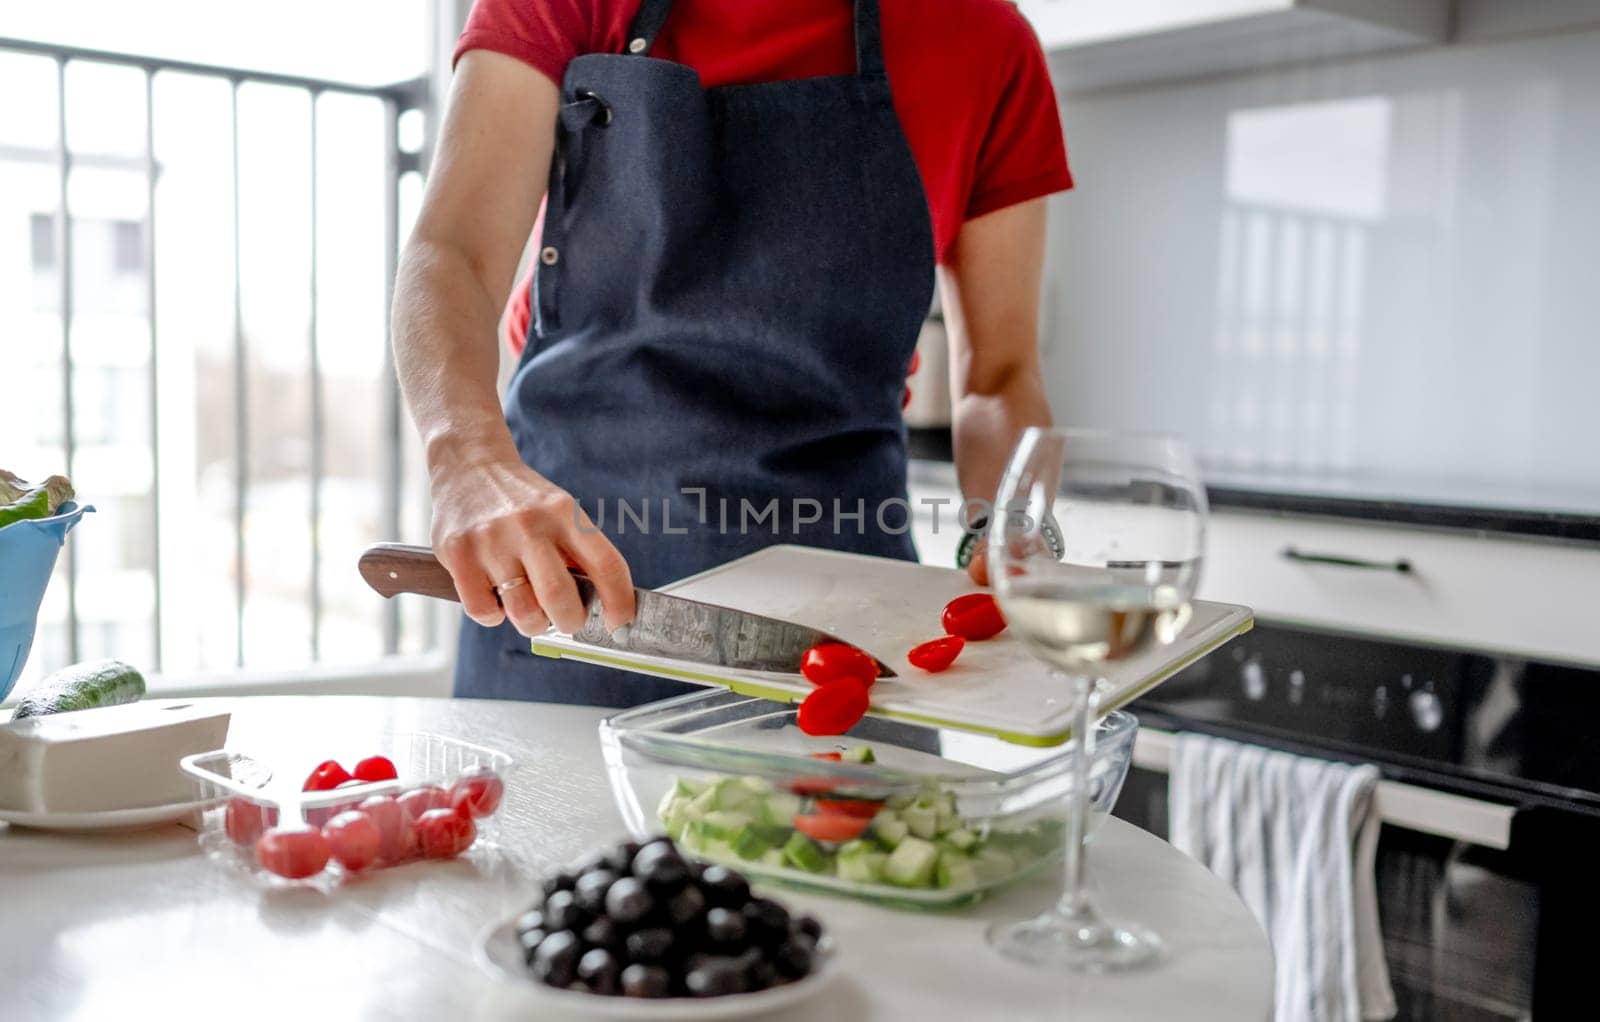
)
(556, 961)
(561, 912)
(696, 870)
(761, 975)
(598, 968)
(588, 864)
(530, 941)
(604, 932)
(766, 922)
(809, 926)
(559, 882)
(686, 906)
(725, 928)
(725, 888)
(652, 945)
(792, 959)
(530, 920)
(660, 866)
(716, 978)
(620, 859)
(628, 901)
(646, 981)
(591, 890)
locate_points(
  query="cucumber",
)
(734, 793)
(923, 819)
(859, 754)
(82, 687)
(961, 839)
(779, 809)
(805, 854)
(750, 843)
(687, 788)
(866, 868)
(703, 803)
(955, 871)
(775, 858)
(858, 847)
(724, 825)
(912, 863)
(889, 829)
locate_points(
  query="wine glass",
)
(1094, 552)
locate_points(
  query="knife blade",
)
(663, 625)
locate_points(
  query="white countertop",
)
(101, 926)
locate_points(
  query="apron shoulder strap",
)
(652, 14)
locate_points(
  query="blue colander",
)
(27, 557)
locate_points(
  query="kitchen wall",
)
(1371, 268)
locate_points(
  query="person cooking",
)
(744, 202)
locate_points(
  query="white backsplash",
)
(1385, 269)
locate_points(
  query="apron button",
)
(549, 255)
(637, 45)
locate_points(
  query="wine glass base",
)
(1054, 941)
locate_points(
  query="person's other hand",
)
(499, 520)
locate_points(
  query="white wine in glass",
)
(1095, 551)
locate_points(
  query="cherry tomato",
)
(857, 808)
(477, 791)
(243, 820)
(831, 828)
(830, 661)
(292, 852)
(935, 656)
(916, 362)
(975, 616)
(905, 399)
(834, 708)
(397, 834)
(419, 800)
(806, 787)
(327, 776)
(445, 833)
(353, 840)
(376, 768)
(835, 756)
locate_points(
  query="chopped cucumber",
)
(704, 802)
(889, 829)
(955, 871)
(922, 819)
(805, 853)
(852, 849)
(859, 754)
(912, 863)
(734, 793)
(674, 814)
(687, 788)
(962, 839)
(899, 801)
(724, 825)
(779, 809)
(866, 868)
(775, 858)
(750, 843)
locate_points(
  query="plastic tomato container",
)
(248, 798)
(734, 780)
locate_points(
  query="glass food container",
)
(891, 812)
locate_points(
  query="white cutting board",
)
(886, 607)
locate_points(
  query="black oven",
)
(1471, 932)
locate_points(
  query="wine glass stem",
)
(1074, 903)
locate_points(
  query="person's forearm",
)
(985, 427)
(447, 355)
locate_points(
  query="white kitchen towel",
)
(1297, 838)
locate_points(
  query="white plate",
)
(499, 953)
(110, 819)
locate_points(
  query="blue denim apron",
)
(729, 289)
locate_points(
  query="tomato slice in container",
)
(832, 828)
(975, 617)
(327, 776)
(376, 768)
(857, 808)
(831, 661)
(935, 656)
(834, 708)
(292, 852)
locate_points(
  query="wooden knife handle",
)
(393, 568)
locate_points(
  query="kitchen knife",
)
(663, 625)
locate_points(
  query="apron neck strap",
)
(652, 15)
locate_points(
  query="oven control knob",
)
(1426, 709)
(1253, 680)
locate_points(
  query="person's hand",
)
(499, 520)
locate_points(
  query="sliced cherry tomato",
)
(807, 787)
(935, 656)
(353, 840)
(397, 834)
(916, 362)
(905, 399)
(831, 828)
(975, 617)
(293, 852)
(857, 808)
(835, 756)
(445, 833)
(376, 768)
(244, 821)
(834, 708)
(419, 800)
(477, 792)
(327, 776)
(830, 661)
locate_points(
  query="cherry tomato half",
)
(397, 834)
(856, 808)
(477, 792)
(376, 768)
(244, 820)
(935, 656)
(916, 362)
(905, 399)
(353, 840)
(445, 833)
(834, 756)
(975, 617)
(830, 661)
(327, 776)
(292, 852)
(831, 828)
(419, 800)
(834, 708)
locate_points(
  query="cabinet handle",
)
(1401, 565)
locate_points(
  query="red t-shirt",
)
(970, 82)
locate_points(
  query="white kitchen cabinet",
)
(1101, 43)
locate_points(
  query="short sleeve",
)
(1023, 154)
(546, 34)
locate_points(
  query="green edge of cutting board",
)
(757, 690)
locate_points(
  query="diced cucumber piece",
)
(922, 819)
(955, 871)
(993, 865)
(675, 815)
(687, 788)
(805, 853)
(751, 843)
(889, 829)
(703, 803)
(724, 825)
(779, 809)
(733, 793)
(851, 849)
(899, 801)
(775, 858)
(859, 754)
(962, 839)
(866, 868)
(912, 863)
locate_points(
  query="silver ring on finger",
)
(510, 584)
